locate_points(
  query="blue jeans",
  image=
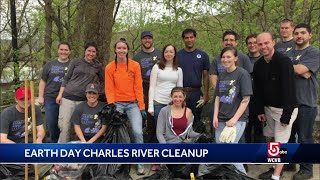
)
(133, 112)
(240, 126)
(157, 108)
(192, 98)
(304, 126)
(52, 113)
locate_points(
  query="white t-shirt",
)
(161, 84)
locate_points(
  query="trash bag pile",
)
(15, 171)
(116, 133)
(202, 172)
(67, 171)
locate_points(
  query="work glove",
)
(200, 103)
(228, 134)
(143, 114)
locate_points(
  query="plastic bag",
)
(182, 170)
(163, 174)
(15, 171)
(116, 133)
(199, 127)
(71, 171)
(218, 171)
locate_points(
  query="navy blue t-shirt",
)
(192, 65)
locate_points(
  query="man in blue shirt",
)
(195, 65)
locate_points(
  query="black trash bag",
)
(116, 133)
(221, 171)
(107, 112)
(183, 170)
(199, 127)
(203, 138)
(163, 174)
(15, 171)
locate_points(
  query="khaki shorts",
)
(273, 127)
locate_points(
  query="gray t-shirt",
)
(232, 87)
(12, 123)
(53, 73)
(217, 68)
(80, 74)
(284, 46)
(147, 60)
(87, 118)
(254, 59)
(306, 89)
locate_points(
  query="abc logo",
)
(274, 150)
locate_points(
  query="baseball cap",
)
(146, 33)
(20, 93)
(92, 88)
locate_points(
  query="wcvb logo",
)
(273, 149)
(274, 152)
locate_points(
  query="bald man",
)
(274, 80)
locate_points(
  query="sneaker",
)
(268, 174)
(302, 175)
(155, 167)
(290, 167)
(140, 169)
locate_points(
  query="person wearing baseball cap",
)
(12, 120)
(147, 57)
(87, 125)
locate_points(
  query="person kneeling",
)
(87, 125)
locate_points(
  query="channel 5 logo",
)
(274, 150)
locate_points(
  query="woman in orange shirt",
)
(123, 87)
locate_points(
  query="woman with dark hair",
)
(123, 87)
(81, 72)
(175, 120)
(165, 75)
(49, 86)
(232, 98)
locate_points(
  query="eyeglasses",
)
(251, 43)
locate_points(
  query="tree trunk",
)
(98, 21)
(289, 8)
(14, 41)
(48, 31)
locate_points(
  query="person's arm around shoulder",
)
(161, 125)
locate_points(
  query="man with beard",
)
(274, 82)
(195, 65)
(286, 30)
(306, 65)
(147, 58)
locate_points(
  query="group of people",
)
(270, 91)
